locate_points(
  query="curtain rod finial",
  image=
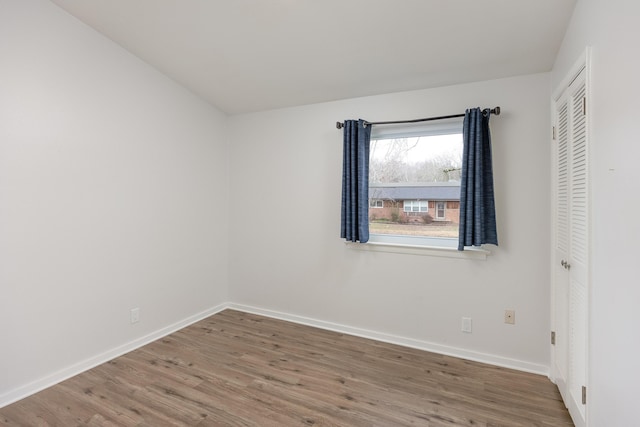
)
(339, 125)
(496, 111)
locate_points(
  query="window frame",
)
(412, 203)
(376, 206)
(422, 245)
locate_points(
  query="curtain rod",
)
(495, 111)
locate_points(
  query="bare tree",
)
(390, 164)
(393, 166)
(443, 168)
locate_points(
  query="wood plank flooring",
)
(239, 369)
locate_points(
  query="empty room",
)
(340, 213)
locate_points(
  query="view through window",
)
(414, 186)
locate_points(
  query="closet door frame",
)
(560, 277)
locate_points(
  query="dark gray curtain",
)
(477, 206)
(355, 181)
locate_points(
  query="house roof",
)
(427, 191)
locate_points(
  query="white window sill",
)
(447, 252)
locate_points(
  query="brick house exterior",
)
(401, 202)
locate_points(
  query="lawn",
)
(432, 230)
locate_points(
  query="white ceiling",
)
(252, 55)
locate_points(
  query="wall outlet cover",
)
(135, 315)
(466, 324)
(510, 317)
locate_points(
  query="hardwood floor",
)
(239, 369)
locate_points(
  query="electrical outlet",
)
(135, 315)
(510, 317)
(466, 324)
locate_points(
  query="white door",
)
(560, 337)
(571, 248)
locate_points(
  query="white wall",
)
(113, 191)
(611, 29)
(286, 254)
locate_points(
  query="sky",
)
(427, 147)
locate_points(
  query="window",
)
(416, 170)
(376, 203)
(440, 213)
(415, 206)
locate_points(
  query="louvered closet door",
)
(561, 250)
(571, 247)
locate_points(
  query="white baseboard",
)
(490, 359)
(77, 368)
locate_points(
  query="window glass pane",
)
(409, 171)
